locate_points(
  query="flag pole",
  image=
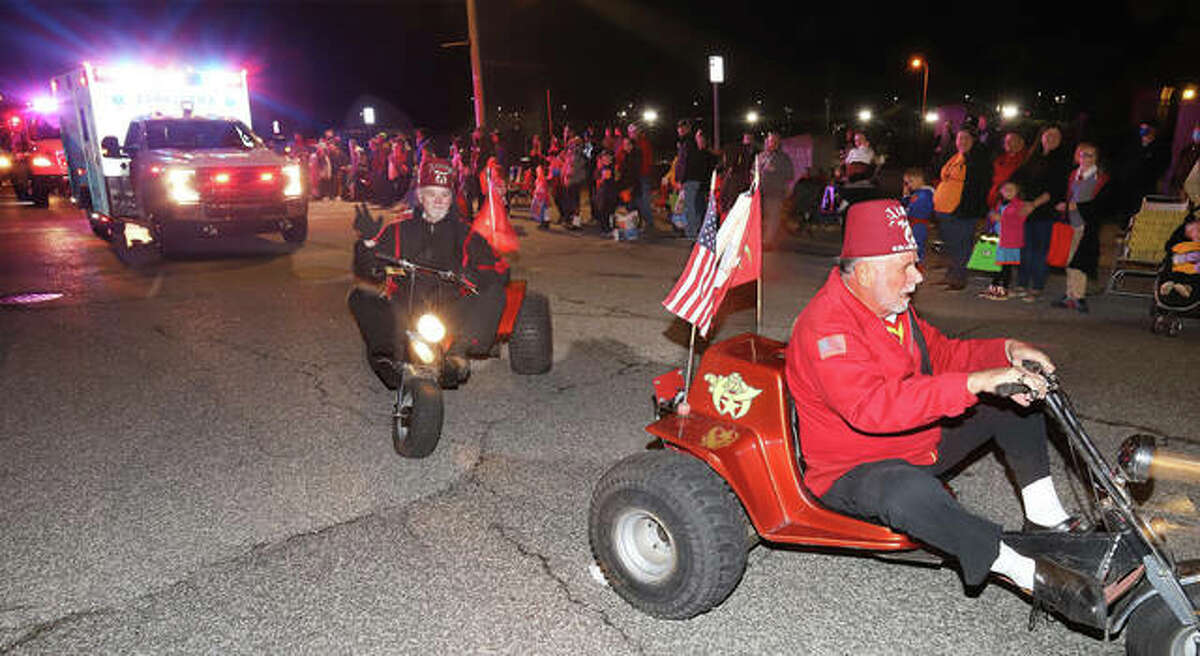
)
(758, 283)
(687, 380)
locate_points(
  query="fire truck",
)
(161, 155)
(31, 152)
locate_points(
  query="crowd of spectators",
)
(605, 179)
(1019, 192)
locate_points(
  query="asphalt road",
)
(195, 459)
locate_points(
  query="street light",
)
(752, 117)
(716, 75)
(918, 63)
(649, 116)
(1189, 93)
(368, 116)
(1009, 111)
(931, 117)
(864, 115)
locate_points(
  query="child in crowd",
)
(1009, 222)
(918, 203)
(1185, 255)
(540, 200)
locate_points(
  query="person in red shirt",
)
(887, 405)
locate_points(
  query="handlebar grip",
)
(1012, 389)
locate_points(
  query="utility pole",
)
(476, 70)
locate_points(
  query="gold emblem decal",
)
(731, 395)
(718, 437)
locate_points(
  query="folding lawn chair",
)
(1142, 246)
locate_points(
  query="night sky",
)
(310, 61)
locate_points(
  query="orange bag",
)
(1060, 244)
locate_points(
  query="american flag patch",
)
(830, 346)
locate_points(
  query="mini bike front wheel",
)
(417, 417)
(1155, 631)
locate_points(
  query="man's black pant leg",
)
(474, 318)
(911, 500)
(1019, 432)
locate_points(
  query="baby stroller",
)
(1177, 284)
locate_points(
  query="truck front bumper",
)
(218, 219)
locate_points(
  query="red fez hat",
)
(435, 173)
(877, 227)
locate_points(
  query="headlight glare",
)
(423, 351)
(181, 185)
(292, 187)
(431, 328)
(42, 160)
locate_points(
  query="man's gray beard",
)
(430, 216)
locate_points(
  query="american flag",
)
(694, 297)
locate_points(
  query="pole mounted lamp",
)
(716, 75)
(919, 63)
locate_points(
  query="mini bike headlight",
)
(1135, 457)
(181, 185)
(292, 187)
(431, 328)
(423, 351)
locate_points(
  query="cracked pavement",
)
(197, 461)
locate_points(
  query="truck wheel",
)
(1154, 631)
(668, 534)
(531, 346)
(21, 186)
(40, 193)
(297, 233)
(417, 418)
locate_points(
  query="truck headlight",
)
(292, 187)
(42, 161)
(431, 328)
(181, 186)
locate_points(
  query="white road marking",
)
(155, 286)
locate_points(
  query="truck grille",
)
(241, 186)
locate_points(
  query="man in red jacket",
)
(887, 405)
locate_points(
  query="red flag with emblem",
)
(492, 220)
(748, 267)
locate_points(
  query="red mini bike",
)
(670, 528)
(422, 368)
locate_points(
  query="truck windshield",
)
(193, 134)
(44, 128)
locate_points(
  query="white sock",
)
(1019, 569)
(1042, 506)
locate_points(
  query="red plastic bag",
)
(1060, 245)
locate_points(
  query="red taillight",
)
(155, 170)
(266, 176)
(15, 121)
(221, 178)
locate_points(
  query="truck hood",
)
(231, 157)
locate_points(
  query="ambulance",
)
(162, 155)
